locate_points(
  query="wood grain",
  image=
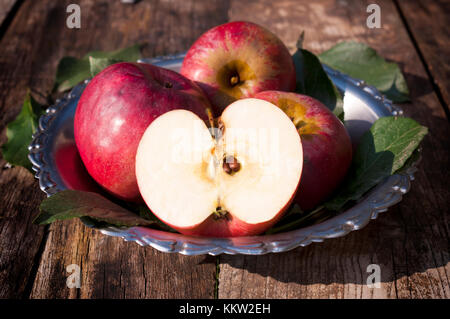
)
(411, 241)
(31, 49)
(112, 268)
(427, 21)
(19, 239)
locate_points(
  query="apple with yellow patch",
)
(235, 180)
(327, 148)
(237, 60)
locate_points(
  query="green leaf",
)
(412, 160)
(146, 213)
(294, 210)
(295, 219)
(72, 71)
(312, 80)
(71, 203)
(129, 54)
(98, 64)
(382, 151)
(19, 133)
(362, 62)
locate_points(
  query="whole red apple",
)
(114, 110)
(237, 60)
(327, 148)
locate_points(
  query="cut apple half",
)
(233, 180)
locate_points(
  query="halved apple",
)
(233, 180)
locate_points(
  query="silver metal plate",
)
(363, 104)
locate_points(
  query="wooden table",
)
(410, 242)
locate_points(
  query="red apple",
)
(71, 169)
(114, 110)
(237, 183)
(327, 148)
(237, 60)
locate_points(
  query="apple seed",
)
(231, 165)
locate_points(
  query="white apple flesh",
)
(235, 183)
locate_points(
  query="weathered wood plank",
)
(427, 21)
(31, 49)
(20, 196)
(411, 241)
(112, 268)
(19, 239)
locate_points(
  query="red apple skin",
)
(72, 171)
(260, 59)
(327, 148)
(230, 226)
(113, 112)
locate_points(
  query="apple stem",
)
(211, 120)
(221, 128)
(234, 80)
(217, 127)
